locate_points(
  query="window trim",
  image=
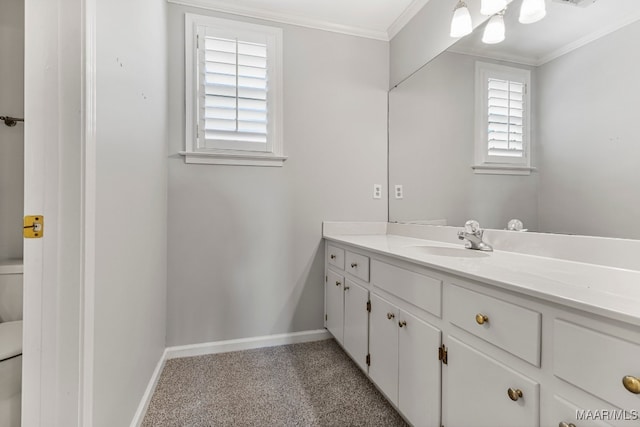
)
(193, 154)
(483, 163)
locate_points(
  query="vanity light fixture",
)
(532, 11)
(494, 32)
(461, 22)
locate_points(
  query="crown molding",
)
(284, 18)
(588, 39)
(405, 17)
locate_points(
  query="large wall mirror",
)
(583, 123)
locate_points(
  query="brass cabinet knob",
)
(481, 319)
(390, 316)
(338, 283)
(354, 265)
(632, 384)
(333, 256)
(563, 424)
(402, 323)
(514, 394)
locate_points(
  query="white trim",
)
(246, 343)
(587, 39)
(284, 18)
(502, 170)
(88, 215)
(404, 18)
(148, 393)
(232, 159)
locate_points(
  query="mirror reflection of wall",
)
(584, 128)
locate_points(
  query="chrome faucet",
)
(472, 233)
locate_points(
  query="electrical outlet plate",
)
(399, 192)
(377, 191)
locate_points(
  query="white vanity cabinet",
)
(347, 305)
(483, 392)
(400, 346)
(448, 350)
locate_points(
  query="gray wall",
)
(131, 191)
(589, 127)
(11, 138)
(425, 37)
(431, 150)
(245, 243)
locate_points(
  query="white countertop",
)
(607, 291)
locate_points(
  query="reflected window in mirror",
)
(502, 119)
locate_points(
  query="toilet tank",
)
(10, 290)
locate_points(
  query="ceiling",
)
(377, 19)
(566, 27)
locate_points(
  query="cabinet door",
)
(356, 322)
(419, 371)
(383, 346)
(476, 389)
(334, 297)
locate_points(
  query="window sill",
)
(206, 158)
(503, 169)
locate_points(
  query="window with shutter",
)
(234, 89)
(502, 122)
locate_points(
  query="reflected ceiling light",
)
(494, 31)
(461, 21)
(490, 7)
(532, 11)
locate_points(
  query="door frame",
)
(59, 274)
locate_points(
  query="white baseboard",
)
(246, 343)
(148, 393)
(220, 347)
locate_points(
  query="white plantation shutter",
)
(233, 93)
(505, 112)
(502, 121)
(233, 98)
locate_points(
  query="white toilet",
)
(10, 343)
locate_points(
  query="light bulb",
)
(532, 11)
(494, 31)
(461, 22)
(490, 7)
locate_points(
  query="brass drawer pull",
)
(632, 384)
(354, 265)
(338, 283)
(402, 323)
(481, 319)
(333, 256)
(563, 424)
(514, 394)
(390, 316)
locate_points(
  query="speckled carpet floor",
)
(311, 384)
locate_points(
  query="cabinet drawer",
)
(511, 327)
(358, 265)
(567, 413)
(335, 256)
(596, 362)
(478, 395)
(422, 291)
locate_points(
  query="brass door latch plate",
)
(33, 226)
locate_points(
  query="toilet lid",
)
(10, 339)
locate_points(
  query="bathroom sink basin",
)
(450, 252)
